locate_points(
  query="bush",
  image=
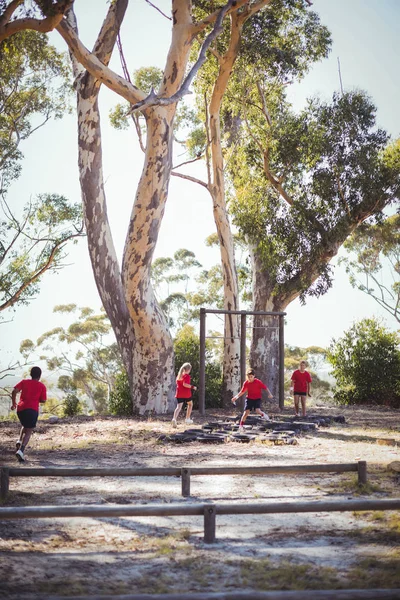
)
(366, 365)
(187, 349)
(120, 403)
(71, 406)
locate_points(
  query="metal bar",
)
(177, 471)
(4, 482)
(145, 510)
(307, 507)
(209, 523)
(362, 472)
(202, 365)
(222, 311)
(185, 477)
(281, 363)
(95, 472)
(242, 348)
(378, 594)
(31, 512)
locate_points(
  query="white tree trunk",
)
(264, 349)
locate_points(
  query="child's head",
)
(250, 375)
(185, 368)
(36, 373)
(303, 365)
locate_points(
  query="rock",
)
(53, 419)
(394, 466)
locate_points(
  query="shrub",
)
(366, 365)
(71, 406)
(120, 402)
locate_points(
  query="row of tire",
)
(210, 435)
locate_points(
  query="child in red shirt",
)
(253, 387)
(33, 392)
(183, 394)
(301, 388)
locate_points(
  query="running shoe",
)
(20, 455)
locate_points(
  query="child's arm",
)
(242, 391)
(13, 399)
(268, 392)
(308, 388)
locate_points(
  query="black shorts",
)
(180, 400)
(252, 404)
(300, 393)
(28, 418)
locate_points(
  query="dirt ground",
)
(42, 557)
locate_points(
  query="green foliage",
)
(33, 244)
(377, 251)
(34, 87)
(71, 406)
(120, 402)
(187, 349)
(366, 365)
(84, 352)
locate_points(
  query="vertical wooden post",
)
(202, 374)
(185, 477)
(209, 523)
(243, 347)
(281, 362)
(362, 472)
(4, 482)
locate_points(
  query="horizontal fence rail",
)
(184, 473)
(378, 594)
(208, 510)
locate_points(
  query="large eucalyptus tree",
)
(126, 292)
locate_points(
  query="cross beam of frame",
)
(243, 315)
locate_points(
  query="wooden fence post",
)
(362, 472)
(4, 482)
(185, 476)
(209, 523)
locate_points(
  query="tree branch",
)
(154, 100)
(36, 276)
(41, 25)
(96, 68)
(190, 178)
(159, 10)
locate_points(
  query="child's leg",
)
(303, 405)
(262, 414)
(26, 437)
(244, 417)
(189, 409)
(296, 404)
(177, 411)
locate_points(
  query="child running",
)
(301, 388)
(253, 387)
(184, 394)
(32, 393)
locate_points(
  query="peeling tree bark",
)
(128, 297)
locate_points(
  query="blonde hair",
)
(184, 368)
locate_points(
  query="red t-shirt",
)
(32, 392)
(181, 390)
(254, 389)
(300, 380)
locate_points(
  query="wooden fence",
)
(377, 594)
(208, 510)
(184, 473)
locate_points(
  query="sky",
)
(365, 38)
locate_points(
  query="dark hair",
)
(36, 372)
(250, 372)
